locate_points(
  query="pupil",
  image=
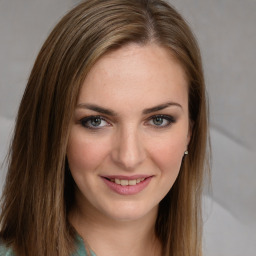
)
(96, 121)
(158, 120)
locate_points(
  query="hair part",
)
(39, 190)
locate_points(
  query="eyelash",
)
(84, 122)
(169, 119)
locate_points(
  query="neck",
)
(107, 236)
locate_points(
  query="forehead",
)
(134, 72)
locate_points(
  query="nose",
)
(128, 151)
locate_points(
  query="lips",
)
(125, 185)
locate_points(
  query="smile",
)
(127, 185)
(127, 182)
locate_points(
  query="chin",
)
(131, 212)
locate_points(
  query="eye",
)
(94, 122)
(161, 121)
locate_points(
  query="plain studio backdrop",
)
(226, 33)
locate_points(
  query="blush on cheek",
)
(169, 157)
(169, 148)
(82, 155)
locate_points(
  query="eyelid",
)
(91, 117)
(171, 120)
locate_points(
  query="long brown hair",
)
(38, 192)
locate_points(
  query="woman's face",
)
(129, 133)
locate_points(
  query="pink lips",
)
(129, 189)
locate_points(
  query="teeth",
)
(117, 181)
(132, 182)
(124, 182)
(127, 182)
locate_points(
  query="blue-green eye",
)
(94, 122)
(160, 121)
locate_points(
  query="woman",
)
(109, 151)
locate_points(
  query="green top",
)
(80, 251)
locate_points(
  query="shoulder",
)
(81, 251)
(5, 251)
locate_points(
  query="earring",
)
(186, 152)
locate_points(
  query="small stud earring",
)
(186, 152)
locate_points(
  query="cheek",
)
(168, 155)
(84, 154)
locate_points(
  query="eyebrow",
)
(97, 108)
(109, 112)
(160, 107)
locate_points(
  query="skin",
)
(135, 140)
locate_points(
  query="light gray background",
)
(226, 33)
